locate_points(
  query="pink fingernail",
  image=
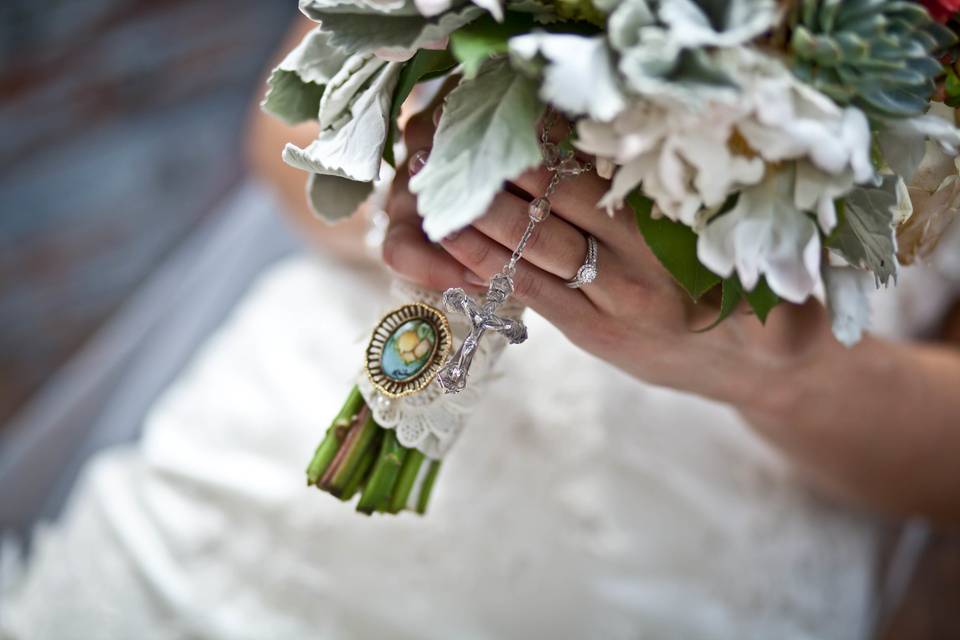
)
(436, 115)
(451, 237)
(471, 278)
(418, 161)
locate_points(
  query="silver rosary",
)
(483, 317)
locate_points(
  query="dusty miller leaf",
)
(487, 134)
(317, 9)
(867, 237)
(334, 198)
(363, 33)
(847, 303)
(353, 148)
(298, 82)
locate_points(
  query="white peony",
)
(785, 147)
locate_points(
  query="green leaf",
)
(485, 38)
(427, 64)
(762, 300)
(732, 294)
(675, 245)
(487, 134)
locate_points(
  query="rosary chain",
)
(556, 177)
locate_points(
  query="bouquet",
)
(775, 150)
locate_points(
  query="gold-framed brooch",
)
(407, 349)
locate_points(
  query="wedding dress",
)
(578, 503)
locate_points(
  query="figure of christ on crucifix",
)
(483, 317)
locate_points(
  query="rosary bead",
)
(570, 167)
(539, 209)
(552, 155)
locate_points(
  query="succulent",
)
(874, 54)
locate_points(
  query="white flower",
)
(689, 158)
(683, 165)
(766, 233)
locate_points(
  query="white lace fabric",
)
(431, 420)
(580, 503)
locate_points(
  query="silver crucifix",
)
(452, 377)
(483, 317)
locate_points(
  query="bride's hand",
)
(633, 315)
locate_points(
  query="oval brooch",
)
(407, 349)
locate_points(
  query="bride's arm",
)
(265, 140)
(879, 423)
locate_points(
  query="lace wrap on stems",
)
(431, 420)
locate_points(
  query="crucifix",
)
(452, 377)
(483, 317)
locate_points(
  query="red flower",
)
(941, 10)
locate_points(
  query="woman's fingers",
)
(555, 246)
(547, 294)
(406, 249)
(575, 200)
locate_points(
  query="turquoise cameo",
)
(407, 349)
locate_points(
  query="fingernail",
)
(437, 112)
(471, 278)
(451, 237)
(418, 161)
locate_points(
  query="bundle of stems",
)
(358, 456)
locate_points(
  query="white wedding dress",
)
(579, 503)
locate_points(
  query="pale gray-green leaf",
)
(361, 33)
(579, 77)
(847, 303)
(317, 9)
(315, 59)
(290, 98)
(334, 198)
(487, 134)
(343, 88)
(297, 84)
(353, 149)
(867, 236)
(903, 141)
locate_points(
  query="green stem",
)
(361, 473)
(379, 487)
(405, 481)
(328, 447)
(345, 463)
(427, 487)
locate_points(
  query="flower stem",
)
(376, 494)
(362, 472)
(427, 488)
(358, 440)
(328, 447)
(405, 481)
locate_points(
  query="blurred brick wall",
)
(121, 124)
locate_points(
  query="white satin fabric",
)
(579, 503)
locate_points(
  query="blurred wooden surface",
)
(122, 124)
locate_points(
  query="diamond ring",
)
(587, 273)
